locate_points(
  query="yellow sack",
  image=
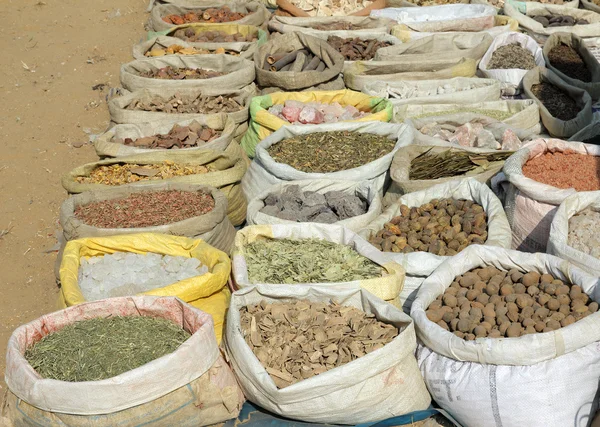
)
(386, 287)
(263, 124)
(208, 292)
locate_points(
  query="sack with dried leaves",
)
(383, 383)
(193, 384)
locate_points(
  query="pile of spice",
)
(356, 49)
(552, 20)
(300, 60)
(189, 34)
(293, 204)
(193, 135)
(499, 115)
(336, 26)
(147, 209)
(125, 173)
(315, 113)
(565, 170)
(174, 73)
(442, 227)
(298, 340)
(331, 7)
(511, 55)
(406, 90)
(101, 348)
(558, 102)
(451, 162)
(324, 152)
(492, 303)
(306, 261)
(583, 232)
(213, 15)
(123, 274)
(472, 134)
(175, 49)
(568, 61)
(202, 104)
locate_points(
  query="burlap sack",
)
(289, 80)
(286, 24)
(213, 227)
(239, 72)
(119, 113)
(556, 127)
(537, 30)
(244, 50)
(288, 7)
(107, 146)
(357, 75)
(229, 170)
(439, 50)
(590, 5)
(256, 13)
(577, 43)
(334, 84)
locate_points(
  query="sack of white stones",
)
(538, 333)
(361, 388)
(191, 385)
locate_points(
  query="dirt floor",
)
(56, 53)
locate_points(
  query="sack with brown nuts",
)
(524, 371)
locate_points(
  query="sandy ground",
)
(54, 52)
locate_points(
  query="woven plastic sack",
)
(227, 175)
(424, 263)
(530, 206)
(119, 113)
(287, 24)
(191, 386)
(256, 13)
(387, 287)
(376, 386)
(143, 50)
(364, 191)
(577, 43)
(264, 171)
(213, 227)
(522, 5)
(511, 381)
(557, 127)
(262, 123)
(457, 90)
(287, 7)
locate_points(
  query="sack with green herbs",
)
(192, 384)
(353, 151)
(423, 263)
(366, 192)
(221, 170)
(591, 63)
(256, 13)
(330, 255)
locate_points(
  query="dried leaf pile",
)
(174, 73)
(324, 152)
(189, 34)
(175, 49)
(336, 26)
(306, 261)
(512, 55)
(449, 163)
(126, 173)
(193, 135)
(331, 7)
(146, 209)
(356, 49)
(101, 348)
(557, 101)
(442, 227)
(296, 341)
(570, 62)
(213, 15)
(202, 104)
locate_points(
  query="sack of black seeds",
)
(564, 109)
(568, 56)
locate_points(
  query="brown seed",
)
(470, 337)
(450, 300)
(468, 280)
(563, 299)
(565, 309)
(480, 331)
(472, 294)
(486, 273)
(542, 313)
(506, 290)
(529, 330)
(557, 316)
(479, 285)
(546, 278)
(491, 289)
(569, 320)
(593, 307)
(487, 326)
(495, 299)
(514, 330)
(516, 276)
(482, 299)
(490, 320)
(459, 334)
(522, 301)
(464, 325)
(553, 324)
(562, 290)
(477, 304)
(520, 288)
(528, 322)
(531, 278)
(510, 298)
(533, 290)
(448, 316)
(475, 314)
(553, 304)
(501, 310)
(500, 320)
(489, 310)
(550, 288)
(451, 291)
(504, 327)
(512, 307)
(434, 315)
(443, 324)
(542, 299)
(513, 316)
(539, 326)
(575, 291)
(454, 324)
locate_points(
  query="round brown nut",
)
(516, 276)
(539, 326)
(562, 290)
(558, 282)
(510, 298)
(495, 334)
(533, 290)
(563, 299)
(531, 278)
(575, 290)
(553, 324)
(464, 325)
(461, 300)
(488, 326)
(462, 293)
(451, 291)
(593, 307)
(569, 320)
(468, 280)
(504, 327)
(512, 307)
(450, 300)
(527, 312)
(553, 304)
(495, 299)
(443, 324)
(482, 298)
(502, 319)
(529, 330)
(485, 273)
(542, 313)
(550, 288)
(514, 330)
(480, 331)
(528, 321)
(464, 314)
(448, 316)
(583, 297)
(434, 315)
(557, 316)
(489, 310)
(476, 314)
(501, 310)
(479, 285)
(490, 320)
(520, 288)
(564, 309)
(543, 298)
(454, 324)
(459, 334)
(465, 306)
(522, 301)
(491, 289)
(472, 294)
(513, 316)
(546, 278)
(435, 305)
(477, 304)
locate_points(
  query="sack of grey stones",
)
(340, 369)
(352, 205)
(569, 57)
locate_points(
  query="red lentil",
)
(565, 170)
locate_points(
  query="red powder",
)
(565, 170)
